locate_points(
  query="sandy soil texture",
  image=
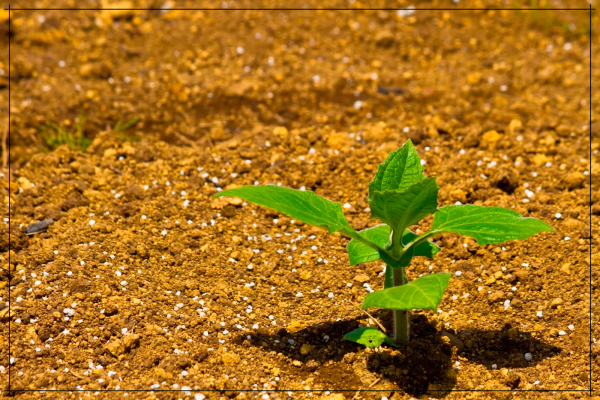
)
(143, 281)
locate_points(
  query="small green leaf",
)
(401, 170)
(403, 209)
(486, 224)
(425, 292)
(369, 337)
(304, 206)
(360, 253)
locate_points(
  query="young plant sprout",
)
(400, 195)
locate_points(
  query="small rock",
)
(572, 224)
(556, 302)
(38, 227)
(249, 153)
(281, 131)
(522, 275)
(566, 268)
(230, 358)
(513, 380)
(340, 141)
(297, 363)
(306, 349)
(458, 195)
(362, 278)
(118, 10)
(454, 341)
(110, 309)
(515, 125)
(98, 71)
(349, 358)
(235, 201)
(121, 346)
(491, 136)
(384, 38)
(496, 296)
(333, 396)
(24, 183)
(575, 180)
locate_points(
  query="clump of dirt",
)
(143, 281)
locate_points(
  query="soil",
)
(144, 282)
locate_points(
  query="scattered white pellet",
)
(540, 314)
(299, 294)
(562, 333)
(69, 311)
(528, 357)
(558, 215)
(92, 222)
(458, 273)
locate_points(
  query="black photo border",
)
(590, 390)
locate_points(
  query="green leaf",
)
(360, 253)
(401, 170)
(425, 292)
(486, 224)
(403, 209)
(369, 337)
(304, 206)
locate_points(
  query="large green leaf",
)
(425, 292)
(370, 337)
(360, 253)
(486, 224)
(401, 209)
(304, 206)
(401, 170)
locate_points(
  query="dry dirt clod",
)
(120, 346)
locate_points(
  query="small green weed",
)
(54, 135)
(121, 127)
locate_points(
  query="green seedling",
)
(400, 195)
(121, 130)
(54, 135)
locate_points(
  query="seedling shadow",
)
(424, 366)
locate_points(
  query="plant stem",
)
(401, 321)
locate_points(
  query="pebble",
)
(454, 341)
(38, 227)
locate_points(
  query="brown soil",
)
(144, 282)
